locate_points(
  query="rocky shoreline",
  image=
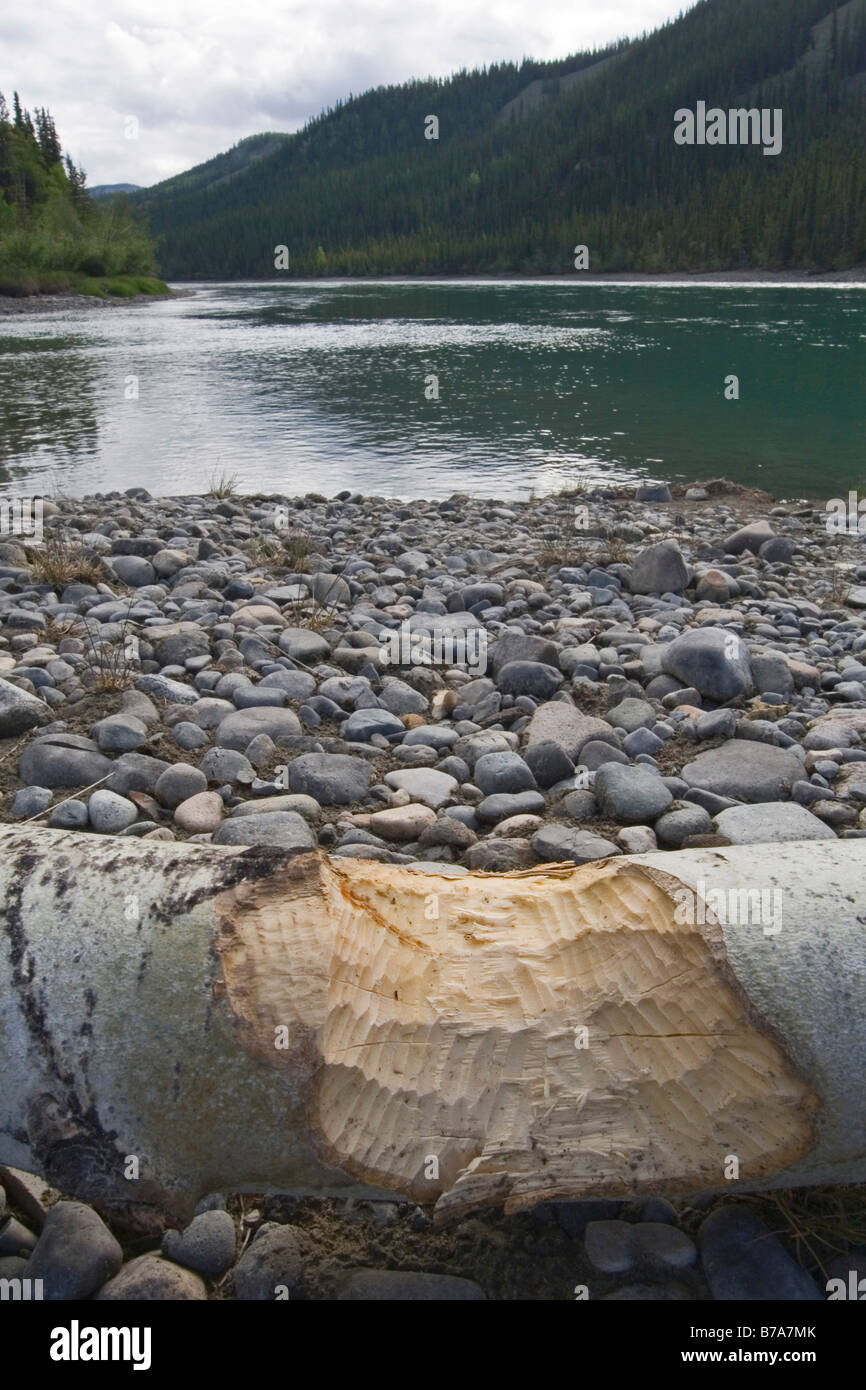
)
(464, 685)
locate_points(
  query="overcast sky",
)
(198, 75)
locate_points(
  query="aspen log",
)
(180, 1018)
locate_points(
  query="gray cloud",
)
(198, 75)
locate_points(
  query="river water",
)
(421, 389)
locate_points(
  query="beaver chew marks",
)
(508, 1039)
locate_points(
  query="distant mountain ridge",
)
(108, 190)
(534, 159)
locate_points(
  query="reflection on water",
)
(422, 389)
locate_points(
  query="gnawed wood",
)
(245, 1019)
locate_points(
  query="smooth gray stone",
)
(743, 1260)
(332, 779)
(149, 1279)
(503, 772)
(745, 770)
(634, 795)
(554, 843)
(714, 660)
(207, 1245)
(238, 730)
(771, 822)
(55, 762)
(270, 1265)
(76, 1252)
(284, 829)
(19, 710)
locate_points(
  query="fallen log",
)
(178, 1018)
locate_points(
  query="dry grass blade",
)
(222, 485)
(111, 665)
(59, 561)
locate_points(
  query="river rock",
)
(770, 822)
(363, 723)
(713, 660)
(332, 779)
(750, 537)
(500, 856)
(556, 844)
(238, 730)
(200, 814)
(120, 733)
(179, 783)
(521, 646)
(563, 724)
(502, 805)
(745, 770)
(207, 1245)
(426, 785)
(283, 829)
(529, 678)
(76, 1253)
(150, 1279)
(20, 711)
(635, 795)
(62, 760)
(743, 1260)
(503, 772)
(271, 1266)
(301, 644)
(402, 822)
(660, 569)
(110, 813)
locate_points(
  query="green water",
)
(321, 386)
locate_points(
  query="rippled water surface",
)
(294, 387)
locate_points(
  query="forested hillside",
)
(53, 236)
(533, 159)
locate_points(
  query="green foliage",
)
(592, 159)
(53, 236)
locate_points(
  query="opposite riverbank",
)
(82, 292)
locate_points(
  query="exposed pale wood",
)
(432, 1056)
(456, 1039)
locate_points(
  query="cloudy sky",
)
(198, 75)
